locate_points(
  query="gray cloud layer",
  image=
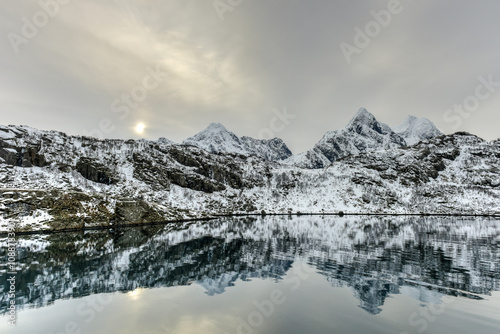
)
(75, 73)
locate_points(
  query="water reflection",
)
(421, 257)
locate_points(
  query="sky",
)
(292, 69)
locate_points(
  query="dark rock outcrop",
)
(94, 171)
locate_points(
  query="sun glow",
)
(135, 294)
(139, 128)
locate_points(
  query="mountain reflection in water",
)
(421, 257)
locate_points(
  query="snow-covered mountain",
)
(217, 139)
(363, 133)
(414, 130)
(49, 180)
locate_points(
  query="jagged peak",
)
(363, 111)
(414, 129)
(412, 121)
(163, 140)
(362, 116)
(216, 139)
(216, 126)
(213, 130)
(366, 120)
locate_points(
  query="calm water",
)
(262, 275)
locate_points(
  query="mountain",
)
(414, 130)
(52, 181)
(363, 133)
(217, 139)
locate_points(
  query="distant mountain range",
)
(49, 180)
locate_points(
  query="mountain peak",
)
(362, 133)
(411, 119)
(214, 132)
(364, 123)
(362, 116)
(414, 130)
(363, 111)
(217, 139)
(215, 127)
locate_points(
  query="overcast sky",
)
(104, 66)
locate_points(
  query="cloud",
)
(263, 55)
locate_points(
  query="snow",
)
(363, 133)
(414, 130)
(38, 218)
(219, 285)
(217, 139)
(362, 117)
(5, 133)
(310, 159)
(164, 141)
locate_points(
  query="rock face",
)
(217, 139)
(270, 149)
(363, 133)
(94, 172)
(134, 211)
(414, 130)
(22, 156)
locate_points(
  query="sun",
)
(139, 128)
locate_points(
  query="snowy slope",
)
(414, 130)
(217, 139)
(363, 133)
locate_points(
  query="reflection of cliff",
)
(376, 257)
(416, 266)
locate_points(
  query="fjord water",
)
(262, 275)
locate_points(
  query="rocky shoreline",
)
(108, 226)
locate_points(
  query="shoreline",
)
(214, 217)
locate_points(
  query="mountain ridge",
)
(362, 133)
(217, 139)
(51, 181)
